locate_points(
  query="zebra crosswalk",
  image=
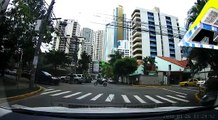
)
(112, 97)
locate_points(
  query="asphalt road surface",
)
(88, 95)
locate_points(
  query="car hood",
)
(100, 109)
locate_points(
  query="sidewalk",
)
(9, 87)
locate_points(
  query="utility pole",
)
(42, 27)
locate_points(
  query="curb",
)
(151, 86)
(18, 97)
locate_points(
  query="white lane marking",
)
(139, 99)
(71, 95)
(110, 98)
(180, 99)
(61, 93)
(168, 100)
(44, 93)
(181, 96)
(48, 90)
(174, 91)
(153, 99)
(190, 89)
(81, 97)
(96, 97)
(126, 99)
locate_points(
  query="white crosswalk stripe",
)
(168, 100)
(61, 93)
(44, 93)
(81, 97)
(153, 99)
(110, 98)
(48, 90)
(126, 99)
(176, 98)
(96, 97)
(71, 95)
(174, 91)
(139, 99)
(181, 96)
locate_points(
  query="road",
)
(88, 95)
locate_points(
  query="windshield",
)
(115, 53)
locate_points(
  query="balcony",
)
(137, 45)
(137, 55)
(136, 15)
(137, 39)
(136, 24)
(137, 51)
(137, 19)
(135, 12)
(136, 33)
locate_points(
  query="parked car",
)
(11, 72)
(74, 78)
(44, 77)
(62, 78)
(200, 83)
(190, 82)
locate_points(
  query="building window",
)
(151, 23)
(168, 18)
(150, 14)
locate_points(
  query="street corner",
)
(38, 90)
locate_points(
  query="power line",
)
(130, 20)
(142, 30)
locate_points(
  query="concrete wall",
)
(151, 80)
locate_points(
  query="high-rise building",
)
(108, 41)
(68, 38)
(88, 34)
(120, 24)
(154, 34)
(117, 30)
(98, 45)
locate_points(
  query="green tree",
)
(83, 63)
(57, 58)
(149, 64)
(124, 67)
(194, 12)
(113, 57)
(106, 70)
(18, 30)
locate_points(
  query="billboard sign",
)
(203, 33)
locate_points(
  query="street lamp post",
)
(43, 24)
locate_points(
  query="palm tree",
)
(194, 12)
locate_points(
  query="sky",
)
(95, 13)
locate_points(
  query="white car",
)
(200, 83)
